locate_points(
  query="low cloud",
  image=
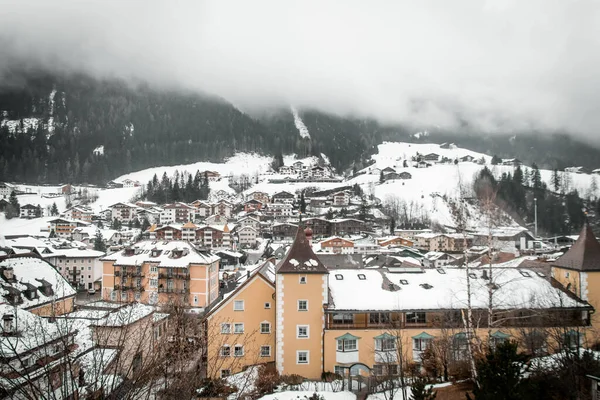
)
(497, 66)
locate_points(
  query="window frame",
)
(379, 344)
(298, 336)
(223, 353)
(235, 305)
(267, 305)
(235, 328)
(266, 346)
(302, 280)
(268, 325)
(344, 344)
(225, 331)
(235, 350)
(305, 302)
(306, 354)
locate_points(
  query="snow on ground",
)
(21, 226)
(300, 124)
(99, 151)
(108, 197)
(300, 395)
(15, 124)
(427, 185)
(240, 163)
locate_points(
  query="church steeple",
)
(301, 258)
(584, 255)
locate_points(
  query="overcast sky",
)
(500, 65)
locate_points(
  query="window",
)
(343, 318)
(265, 351)
(303, 280)
(238, 305)
(267, 305)
(525, 274)
(89, 268)
(195, 299)
(113, 295)
(302, 331)
(385, 344)
(362, 277)
(339, 370)
(416, 318)
(225, 373)
(238, 327)
(302, 305)
(124, 296)
(379, 318)
(225, 328)
(567, 274)
(225, 351)
(153, 283)
(138, 296)
(403, 282)
(238, 351)
(153, 269)
(302, 357)
(339, 277)
(346, 345)
(421, 344)
(265, 327)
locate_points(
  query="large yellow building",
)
(578, 269)
(374, 319)
(161, 273)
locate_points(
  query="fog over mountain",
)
(496, 66)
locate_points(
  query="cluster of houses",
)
(49, 346)
(307, 171)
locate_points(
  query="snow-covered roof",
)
(30, 271)
(126, 315)
(437, 289)
(142, 252)
(34, 332)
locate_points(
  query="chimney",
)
(8, 273)
(248, 274)
(8, 323)
(484, 274)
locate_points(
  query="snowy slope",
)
(302, 129)
(241, 163)
(428, 185)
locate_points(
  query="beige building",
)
(160, 273)
(361, 321)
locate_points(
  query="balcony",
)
(346, 357)
(173, 290)
(117, 273)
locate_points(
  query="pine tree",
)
(99, 244)
(52, 234)
(54, 210)
(555, 180)
(420, 391)
(145, 224)
(392, 225)
(496, 160)
(381, 177)
(329, 214)
(14, 202)
(302, 203)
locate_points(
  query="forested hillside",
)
(78, 129)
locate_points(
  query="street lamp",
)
(535, 215)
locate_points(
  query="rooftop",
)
(301, 258)
(584, 254)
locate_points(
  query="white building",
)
(28, 211)
(247, 236)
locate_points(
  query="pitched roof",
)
(301, 258)
(584, 255)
